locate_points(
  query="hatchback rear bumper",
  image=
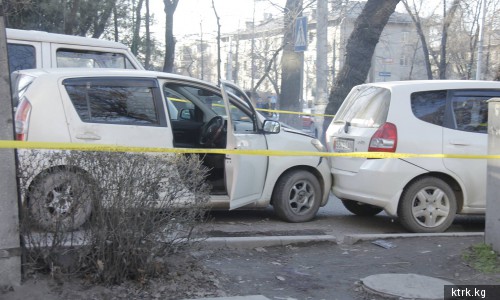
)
(379, 182)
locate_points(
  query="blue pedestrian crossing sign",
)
(300, 38)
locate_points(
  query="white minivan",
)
(153, 109)
(31, 49)
(418, 117)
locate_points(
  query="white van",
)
(154, 109)
(29, 49)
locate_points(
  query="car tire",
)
(428, 205)
(61, 200)
(361, 209)
(297, 196)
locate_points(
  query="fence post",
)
(492, 230)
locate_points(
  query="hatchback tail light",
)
(385, 139)
(22, 120)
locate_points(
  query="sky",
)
(232, 13)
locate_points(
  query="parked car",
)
(420, 117)
(153, 109)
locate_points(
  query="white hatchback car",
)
(153, 109)
(420, 117)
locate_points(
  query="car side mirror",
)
(271, 126)
(186, 114)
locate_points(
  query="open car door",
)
(245, 174)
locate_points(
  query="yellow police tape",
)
(116, 148)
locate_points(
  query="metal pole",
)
(480, 41)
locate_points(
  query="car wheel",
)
(61, 200)
(361, 209)
(297, 196)
(427, 205)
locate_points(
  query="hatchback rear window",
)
(365, 106)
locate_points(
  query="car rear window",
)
(365, 106)
(429, 106)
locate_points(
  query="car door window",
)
(122, 101)
(179, 107)
(470, 113)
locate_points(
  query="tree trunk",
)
(292, 65)
(170, 6)
(137, 28)
(359, 51)
(147, 59)
(447, 18)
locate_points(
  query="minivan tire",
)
(361, 209)
(61, 200)
(297, 196)
(427, 205)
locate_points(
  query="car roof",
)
(419, 85)
(42, 36)
(107, 72)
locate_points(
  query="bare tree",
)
(447, 18)
(292, 66)
(414, 13)
(137, 28)
(360, 48)
(147, 58)
(170, 6)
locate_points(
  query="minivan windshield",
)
(365, 106)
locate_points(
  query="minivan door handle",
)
(88, 136)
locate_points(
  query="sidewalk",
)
(327, 270)
(293, 267)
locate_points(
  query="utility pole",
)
(10, 251)
(321, 98)
(201, 49)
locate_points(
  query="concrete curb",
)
(264, 241)
(351, 239)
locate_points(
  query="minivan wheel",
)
(361, 209)
(61, 200)
(427, 205)
(297, 196)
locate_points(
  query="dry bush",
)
(109, 216)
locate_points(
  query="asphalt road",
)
(332, 219)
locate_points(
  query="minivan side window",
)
(72, 58)
(123, 101)
(429, 106)
(21, 57)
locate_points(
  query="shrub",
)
(134, 209)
